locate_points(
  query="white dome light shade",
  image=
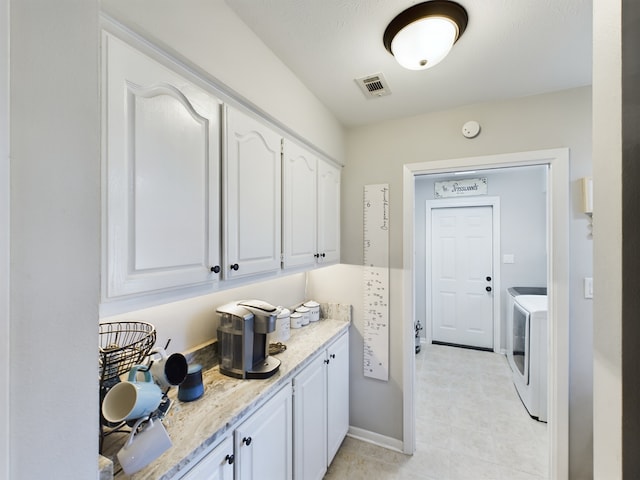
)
(422, 35)
(424, 43)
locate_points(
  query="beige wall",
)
(192, 322)
(55, 239)
(376, 154)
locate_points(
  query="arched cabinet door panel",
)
(299, 195)
(161, 176)
(252, 196)
(311, 208)
(328, 212)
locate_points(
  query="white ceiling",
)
(511, 48)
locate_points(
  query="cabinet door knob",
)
(216, 269)
(235, 267)
(317, 255)
(230, 459)
(333, 355)
(246, 441)
(488, 279)
(327, 361)
(488, 289)
(322, 255)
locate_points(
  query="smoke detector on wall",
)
(374, 86)
(471, 129)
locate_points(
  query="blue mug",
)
(132, 399)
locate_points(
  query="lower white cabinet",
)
(217, 465)
(310, 420)
(259, 449)
(294, 434)
(321, 410)
(337, 394)
(263, 443)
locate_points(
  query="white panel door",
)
(252, 196)
(310, 421)
(299, 206)
(161, 168)
(337, 394)
(328, 213)
(217, 465)
(263, 444)
(461, 275)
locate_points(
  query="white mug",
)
(132, 399)
(168, 370)
(143, 447)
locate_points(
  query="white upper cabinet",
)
(161, 172)
(311, 208)
(195, 192)
(300, 206)
(252, 196)
(328, 212)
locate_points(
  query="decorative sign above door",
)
(461, 188)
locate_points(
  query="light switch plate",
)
(588, 287)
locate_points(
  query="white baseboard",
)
(376, 439)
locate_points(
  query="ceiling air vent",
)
(373, 86)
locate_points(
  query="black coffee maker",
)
(242, 339)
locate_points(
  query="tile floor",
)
(470, 425)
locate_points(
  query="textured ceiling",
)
(511, 48)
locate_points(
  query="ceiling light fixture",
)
(421, 36)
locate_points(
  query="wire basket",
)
(122, 345)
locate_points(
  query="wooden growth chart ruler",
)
(376, 281)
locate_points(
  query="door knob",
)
(246, 441)
(230, 459)
(488, 289)
(216, 269)
(235, 267)
(488, 279)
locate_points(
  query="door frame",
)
(558, 204)
(5, 232)
(494, 203)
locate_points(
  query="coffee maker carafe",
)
(242, 339)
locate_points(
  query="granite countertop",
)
(196, 427)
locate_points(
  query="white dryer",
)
(527, 351)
